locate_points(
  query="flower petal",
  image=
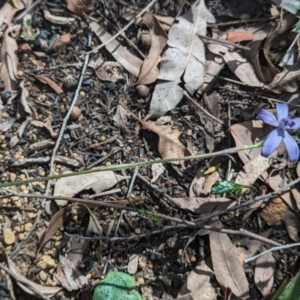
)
(297, 124)
(282, 110)
(267, 118)
(291, 147)
(272, 142)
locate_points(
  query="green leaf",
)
(292, 291)
(222, 187)
(116, 286)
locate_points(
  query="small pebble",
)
(138, 230)
(31, 215)
(143, 90)
(9, 236)
(76, 113)
(43, 275)
(82, 93)
(20, 73)
(140, 281)
(27, 226)
(21, 236)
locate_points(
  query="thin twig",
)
(136, 164)
(65, 121)
(123, 29)
(241, 21)
(283, 247)
(37, 219)
(18, 279)
(223, 42)
(201, 108)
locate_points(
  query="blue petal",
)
(297, 124)
(272, 142)
(282, 110)
(267, 118)
(291, 147)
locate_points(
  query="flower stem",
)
(136, 164)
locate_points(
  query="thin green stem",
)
(135, 164)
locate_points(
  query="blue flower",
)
(275, 137)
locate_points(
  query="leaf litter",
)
(143, 70)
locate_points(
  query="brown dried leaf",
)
(228, 270)
(8, 11)
(292, 225)
(197, 184)
(130, 62)
(198, 285)
(149, 70)
(9, 59)
(169, 145)
(61, 217)
(236, 37)
(79, 7)
(120, 118)
(264, 272)
(202, 205)
(50, 82)
(255, 245)
(252, 170)
(109, 71)
(237, 64)
(209, 182)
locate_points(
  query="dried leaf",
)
(48, 291)
(202, 205)
(264, 272)
(169, 145)
(98, 181)
(61, 217)
(236, 37)
(237, 64)
(9, 59)
(197, 184)
(292, 225)
(149, 71)
(252, 170)
(209, 182)
(50, 82)
(130, 62)
(198, 284)
(157, 170)
(228, 270)
(109, 71)
(120, 118)
(185, 58)
(69, 276)
(79, 7)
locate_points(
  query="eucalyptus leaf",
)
(292, 291)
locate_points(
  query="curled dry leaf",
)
(228, 270)
(129, 62)
(149, 71)
(185, 58)
(79, 7)
(50, 82)
(202, 205)
(120, 118)
(198, 284)
(197, 184)
(68, 275)
(61, 217)
(109, 71)
(99, 181)
(48, 291)
(209, 182)
(264, 272)
(169, 145)
(292, 225)
(237, 64)
(9, 59)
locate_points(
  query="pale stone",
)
(8, 236)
